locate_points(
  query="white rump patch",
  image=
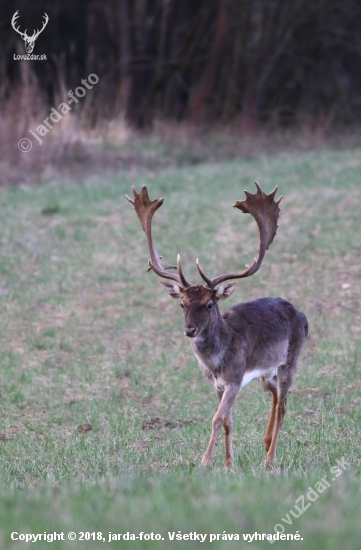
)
(256, 373)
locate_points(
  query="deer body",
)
(260, 339)
(230, 344)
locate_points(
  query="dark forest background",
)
(278, 62)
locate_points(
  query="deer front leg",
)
(222, 416)
(227, 426)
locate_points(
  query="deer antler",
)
(265, 211)
(23, 35)
(145, 209)
(17, 29)
(36, 33)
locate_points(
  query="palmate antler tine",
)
(145, 209)
(265, 211)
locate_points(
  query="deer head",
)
(29, 40)
(200, 302)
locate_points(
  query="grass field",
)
(89, 337)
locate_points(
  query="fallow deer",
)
(259, 339)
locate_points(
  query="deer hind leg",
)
(285, 377)
(271, 385)
(228, 432)
(222, 417)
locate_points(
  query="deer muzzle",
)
(190, 331)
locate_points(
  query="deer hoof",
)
(228, 467)
(206, 462)
(269, 463)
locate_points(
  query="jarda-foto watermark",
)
(25, 144)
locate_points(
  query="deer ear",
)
(173, 289)
(224, 291)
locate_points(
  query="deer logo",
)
(29, 40)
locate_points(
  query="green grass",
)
(88, 336)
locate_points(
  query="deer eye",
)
(210, 305)
(181, 305)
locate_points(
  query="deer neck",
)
(210, 346)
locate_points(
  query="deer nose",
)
(190, 331)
